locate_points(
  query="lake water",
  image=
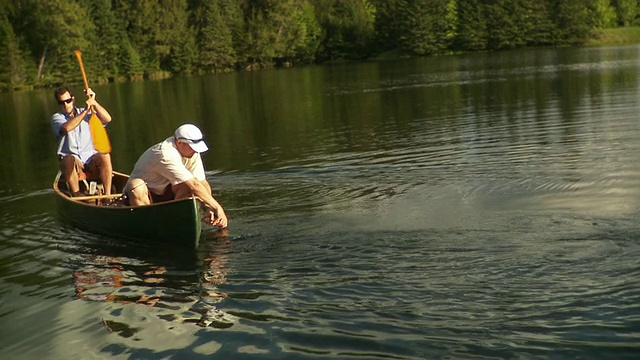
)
(471, 206)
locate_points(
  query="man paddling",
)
(173, 169)
(76, 151)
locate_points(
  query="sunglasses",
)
(191, 141)
(66, 101)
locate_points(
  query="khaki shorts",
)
(91, 168)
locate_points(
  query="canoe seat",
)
(84, 177)
(88, 175)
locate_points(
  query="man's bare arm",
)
(202, 189)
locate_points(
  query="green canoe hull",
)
(176, 222)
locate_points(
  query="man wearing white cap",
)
(171, 170)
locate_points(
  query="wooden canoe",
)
(176, 221)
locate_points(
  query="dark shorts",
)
(155, 198)
(166, 195)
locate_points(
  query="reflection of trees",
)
(183, 285)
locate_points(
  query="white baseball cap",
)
(190, 134)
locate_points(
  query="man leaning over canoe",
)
(173, 169)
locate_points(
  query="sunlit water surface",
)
(502, 222)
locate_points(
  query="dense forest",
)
(136, 39)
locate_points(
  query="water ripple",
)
(499, 220)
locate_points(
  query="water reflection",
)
(470, 206)
(183, 285)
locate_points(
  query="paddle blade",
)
(99, 134)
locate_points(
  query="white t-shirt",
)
(162, 165)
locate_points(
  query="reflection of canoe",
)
(176, 221)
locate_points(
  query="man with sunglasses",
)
(172, 170)
(76, 150)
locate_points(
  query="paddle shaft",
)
(98, 133)
(95, 197)
(78, 54)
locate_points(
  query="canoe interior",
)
(176, 221)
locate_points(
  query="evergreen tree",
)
(214, 36)
(174, 38)
(257, 49)
(107, 39)
(280, 31)
(427, 27)
(349, 28)
(234, 15)
(133, 39)
(55, 28)
(605, 15)
(627, 11)
(388, 24)
(541, 29)
(308, 43)
(141, 22)
(575, 21)
(13, 63)
(130, 61)
(295, 29)
(473, 27)
(507, 20)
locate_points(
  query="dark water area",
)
(466, 207)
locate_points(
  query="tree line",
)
(136, 39)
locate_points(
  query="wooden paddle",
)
(98, 133)
(95, 197)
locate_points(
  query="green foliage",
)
(125, 39)
(298, 31)
(349, 28)
(426, 28)
(311, 33)
(14, 73)
(576, 19)
(627, 11)
(542, 30)
(388, 24)
(508, 21)
(106, 41)
(130, 60)
(175, 42)
(283, 31)
(473, 27)
(616, 36)
(214, 37)
(54, 29)
(605, 15)
(140, 21)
